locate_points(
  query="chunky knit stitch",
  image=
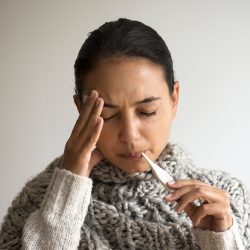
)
(121, 211)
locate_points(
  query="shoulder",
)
(23, 204)
(36, 187)
(29, 198)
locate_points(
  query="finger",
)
(202, 193)
(177, 184)
(88, 107)
(176, 195)
(93, 138)
(96, 156)
(190, 209)
(85, 114)
(204, 210)
(85, 98)
(86, 133)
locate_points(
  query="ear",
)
(175, 98)
(77, 103)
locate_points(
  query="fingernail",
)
(98, 120)
(171, 182)
(85, 99)
(97, 101)
(92, 94)
(168, 196)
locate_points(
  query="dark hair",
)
(124, 37)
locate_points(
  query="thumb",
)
(190, 210)
(96, 156)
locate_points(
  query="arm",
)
(239, 196)
(57, 224)
(27, 201)
(209, 240)
(214, 218)
(237, 236)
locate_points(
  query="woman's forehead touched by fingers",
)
(127, 82)
(116, 100)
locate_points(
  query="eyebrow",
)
(149, 99)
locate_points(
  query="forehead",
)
(120, 77)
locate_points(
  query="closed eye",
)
(142, 113)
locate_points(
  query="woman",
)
(107, 198)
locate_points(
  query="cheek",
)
(157, 129)
(161, 121)
(105, 139)
(165, 117)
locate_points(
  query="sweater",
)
(113, 209)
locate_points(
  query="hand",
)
(213, 214)
(78, 156)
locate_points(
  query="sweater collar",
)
(171, 159)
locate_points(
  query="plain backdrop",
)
(209, 42)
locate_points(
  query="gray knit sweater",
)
(113, 209)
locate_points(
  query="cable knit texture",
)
(114, 209)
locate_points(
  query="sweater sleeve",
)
(227, 240)
(57, 224)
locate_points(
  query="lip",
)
(136, 155)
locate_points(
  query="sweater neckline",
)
(169, 160)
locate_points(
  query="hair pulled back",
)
(123, 37)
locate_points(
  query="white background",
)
(209, 42)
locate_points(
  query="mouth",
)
(132, 155)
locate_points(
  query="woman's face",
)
(131, 88)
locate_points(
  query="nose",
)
(129, 130)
